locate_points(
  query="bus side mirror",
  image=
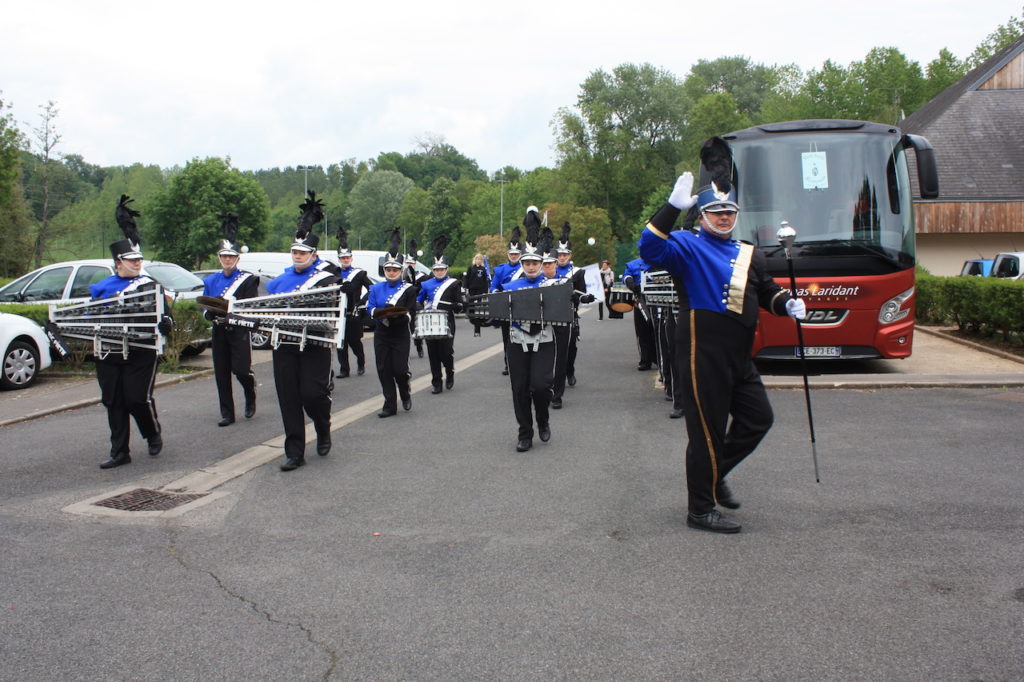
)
(927, 171)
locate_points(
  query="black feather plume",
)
(342, 238)
(439, 245)
(532, 231)
(312, 213)
(395, 243)
(716, 157)
(229, 226)
(412, 249)
(547, 240)
(531, 219)
(516, 236)
(125, 216)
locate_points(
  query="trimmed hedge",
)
(983, 305)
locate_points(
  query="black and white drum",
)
(620, 299)
(432, 325)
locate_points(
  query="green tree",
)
(997, 40)
(889, 84)
(623, 138)
(414, 213)
(50, 185)
(713, 114)
(435, 159)
(14, 216)
(374, 206)
(185, 216)
(941, 73)
(443, 218)
(749, 84)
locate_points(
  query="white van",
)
(271, 264)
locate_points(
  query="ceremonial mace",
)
(786, 236)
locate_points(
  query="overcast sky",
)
(282, 84)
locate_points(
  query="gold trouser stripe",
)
(738, 281)
(700, 408)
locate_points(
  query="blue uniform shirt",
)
(217, 284)
(115, 284)
(428, 288)
(635, 268)
(291, 279)
(503, 275)
(381, 293)
(707, 265)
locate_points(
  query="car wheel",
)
(21, 366)
(259, 340)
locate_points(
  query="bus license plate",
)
(818, 351)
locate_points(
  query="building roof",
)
(977, 128)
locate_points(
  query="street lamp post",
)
(305, 177)
(501, 210)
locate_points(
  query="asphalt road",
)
(425, 547)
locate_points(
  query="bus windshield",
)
(846, 194)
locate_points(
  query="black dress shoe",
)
(226, 421)
(556, 403)
(725, 497)
(407, 403)
(436, 389)
(343, 374)
(643, 367)
(544, 432)
(386, 413)
(156, 444)
(504, 372)
(476, 333)
(361, 370)
(116, 460)
(676, 413)
(449, 381)
(524, 444)
(323, 445)
(250, 407)
(571, 380)
(419, 352)
(712, 521)
(292, 463)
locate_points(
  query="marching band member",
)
(303, 377)
(506, 272)
(126, 383)
(388, 303)
(531, 353)
(632, 276)
(231, 347)
(358, 281)
(549, 267)
(725, 281)
(409, 276)
(441, 293)
(577, 277)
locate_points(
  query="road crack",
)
(332, 655)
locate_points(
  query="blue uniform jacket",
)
(291, 279)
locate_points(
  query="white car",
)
(68, 282)
(26, 351)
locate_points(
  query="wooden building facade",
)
(977, 128)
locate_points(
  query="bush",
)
(980, 305)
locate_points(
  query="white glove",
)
(681, 197)
(796, 309)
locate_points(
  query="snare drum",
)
(620, 299)
(432, 325)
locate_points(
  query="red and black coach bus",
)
(845, 188)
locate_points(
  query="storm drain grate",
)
(144, 499)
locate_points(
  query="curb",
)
(162, 380)
(971, 344)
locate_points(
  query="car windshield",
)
(174, 277)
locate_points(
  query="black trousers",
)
(562, 337)
(726, 405)
(532, 376)
(504, 342)
(644, 338)
(391, 348)
(441, 354)
(412, 329)
(126, 390)
(673, 382)
(574, 339)
(303, 381)
(232, 354)
(353, 341)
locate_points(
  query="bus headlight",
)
(893, 310)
